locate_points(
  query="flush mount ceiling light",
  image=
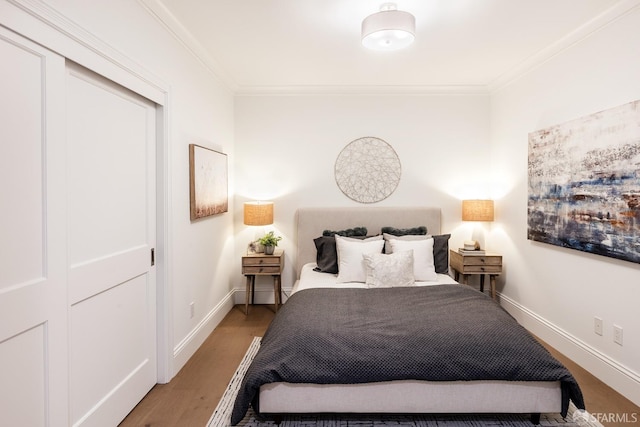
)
(389, 29)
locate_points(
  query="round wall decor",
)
(368, 170)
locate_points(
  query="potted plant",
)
(269, 241)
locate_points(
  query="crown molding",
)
(615, 12)
(364, 90)
(160, 12)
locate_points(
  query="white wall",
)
(286, 147)
(557, 292)
(200, 111)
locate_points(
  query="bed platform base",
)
(277, 418)
(413, 397)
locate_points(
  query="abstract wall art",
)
(367, 170)
(207, 182)
(584, 184)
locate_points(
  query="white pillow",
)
(423, 265)
(389, 271)
(388, 237)
(350, 261)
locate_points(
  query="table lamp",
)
(477, 210)
(258, 214)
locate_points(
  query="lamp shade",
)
(389, 29)
(477, 210)
(258, 213)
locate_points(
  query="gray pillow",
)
(327, 253)
(420, 230)
(441, 253)
(349, 232)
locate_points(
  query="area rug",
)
(222, 415)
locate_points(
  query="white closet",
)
(77, 229)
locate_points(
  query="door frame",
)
(164, 318)
(46, 26)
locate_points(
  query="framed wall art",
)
(208, 177)
(584, 184)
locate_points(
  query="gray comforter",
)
(435, 333)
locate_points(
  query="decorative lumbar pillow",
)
(420, 230)
(350, 262)
(441, 253)
(349, 232)
(386, 271)
(423, 266)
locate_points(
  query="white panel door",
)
(111, 219)
(33, 298)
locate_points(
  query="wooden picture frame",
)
(208, 182)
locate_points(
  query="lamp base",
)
(478, 236)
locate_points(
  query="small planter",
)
(269, 241)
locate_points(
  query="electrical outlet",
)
(597, 325)
(617, 334)
(192, 309)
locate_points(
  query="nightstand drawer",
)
(480, 269)
(482, 260)
(261, 261)
(265, 269)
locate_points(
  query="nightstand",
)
(467, 265)
(263, 265)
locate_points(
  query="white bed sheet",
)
(314, 279)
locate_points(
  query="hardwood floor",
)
(192, 395)
(606, 404)
(190, 398)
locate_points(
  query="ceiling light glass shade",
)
(388, 30)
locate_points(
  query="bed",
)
(434, 346)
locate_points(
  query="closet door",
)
(33, 298)
(111, 143)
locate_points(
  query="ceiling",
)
(263, 46)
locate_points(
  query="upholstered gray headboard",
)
(311, 222)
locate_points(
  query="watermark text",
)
(582, 417)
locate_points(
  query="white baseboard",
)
(263, 295)
(188, 346)
(617, 376)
